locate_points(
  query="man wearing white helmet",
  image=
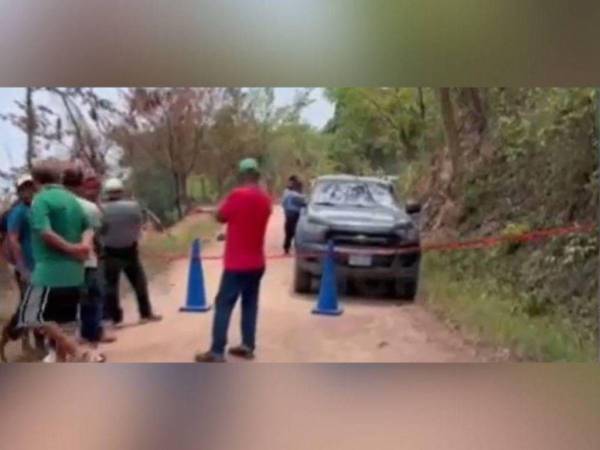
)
(120, 233)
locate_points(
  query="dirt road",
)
(370, 330)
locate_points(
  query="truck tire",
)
(406, 289)
(302, 281)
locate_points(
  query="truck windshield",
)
(352, 193)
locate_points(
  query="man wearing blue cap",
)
(246, 211)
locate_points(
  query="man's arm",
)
(79, 251)
(138, 220)
(103, 229)
(301, 199)
(15, 221)
(284, 198)
(220, 217)
(17, 252)
(40, 222)
(226, 210)
(88, 238)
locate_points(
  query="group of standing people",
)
(68, 250)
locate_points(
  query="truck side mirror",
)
(413, 208)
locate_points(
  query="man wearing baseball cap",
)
(120, 233)
(18, 228)
(246, 211)
(19, 249)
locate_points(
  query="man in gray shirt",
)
(120, 232)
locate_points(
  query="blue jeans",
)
(233, 285)
(91, 307)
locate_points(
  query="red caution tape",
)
(480, 243)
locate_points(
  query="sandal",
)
(91, 357)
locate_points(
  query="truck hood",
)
(339, 217)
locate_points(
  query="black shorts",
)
(49, 304)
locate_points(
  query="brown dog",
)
(11, 333)
(66, 349)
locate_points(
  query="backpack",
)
(5, 250)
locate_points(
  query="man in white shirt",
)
(87, 190)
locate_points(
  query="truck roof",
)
(344, 177)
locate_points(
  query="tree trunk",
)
(31, 127)
(421, 103)
(173, 168)
(177, 188)
(80, 144)
(452, 138)
(478, 107)
(183, 192)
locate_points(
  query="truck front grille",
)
(363, 240)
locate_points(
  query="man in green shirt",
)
(60, 246)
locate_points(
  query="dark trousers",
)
(234, 284)
(91, 307)
(13, 332)
(291, 221)
(115, 261)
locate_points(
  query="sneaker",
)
(50, 357)
(209, 357)
(90, 357)
(112, 325)
(242, 351)
(151, 318)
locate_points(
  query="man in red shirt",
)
(246, 212)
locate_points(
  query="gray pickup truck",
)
(368, 225)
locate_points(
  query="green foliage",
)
(376, 129)
(184, 144)
(201, 189)
(176, 242)
(511, 231)
(501, 314)
(411, 174)
(541, 172)
(296, 149)
(153, 187)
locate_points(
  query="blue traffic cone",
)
(196, 293)
(328, 296)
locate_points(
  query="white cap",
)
(24, 179)
(113, 185)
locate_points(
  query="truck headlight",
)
(309, 231)
(408, 232)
